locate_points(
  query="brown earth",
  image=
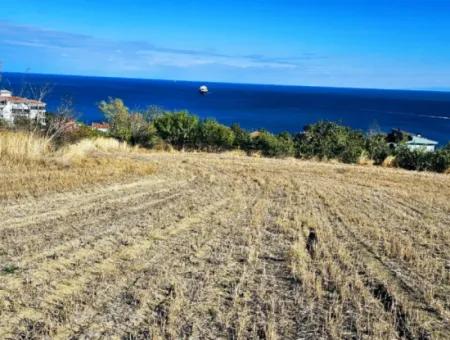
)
(215, 246)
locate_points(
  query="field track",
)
(215, 246)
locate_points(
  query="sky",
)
(341, 43)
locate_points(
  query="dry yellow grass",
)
(215, 246)
(23, 147)
(30, 166)
(389, 162)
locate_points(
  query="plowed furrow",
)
(380, 271)
(175, 264)
(82, 226)
(105, 266)
(45, 209)
(409, 273)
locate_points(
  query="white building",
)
(420, 143)
(12, 107)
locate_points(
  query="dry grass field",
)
(29, 167)
(205, 246)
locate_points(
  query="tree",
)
(177, 128)
(118, 118)
(214, 136)
(274, 146)
(447, 147)
(330, 140)
(152, 112)
(440, 161)
(397, 136)
(242, 139)
(141, 131)
(377, 148)
(421, 160)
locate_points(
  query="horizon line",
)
(422, 89)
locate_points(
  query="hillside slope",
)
(216, 246)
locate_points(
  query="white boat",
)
(203, 89)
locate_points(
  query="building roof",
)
(20, 100)
(419, 140)
(100, 125)
(6, 95)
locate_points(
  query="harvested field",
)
(218, 246)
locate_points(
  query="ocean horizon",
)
(275, 108)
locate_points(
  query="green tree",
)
(242, 139)
(440, 161)
(330, 140)
(142, 132)
(177, 128)
(214, 136)
(377, 148)
(274, 146)
(286, 140)
(406, 158)
(446, 147)
(118, 117)
(397, 136)
(421, 160)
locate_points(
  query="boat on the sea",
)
(203, 89)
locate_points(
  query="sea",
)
(271, 107)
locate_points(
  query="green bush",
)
(286, 143)
(274, 146)
(82, 131)
(440, 161)
(141, 131)
(377, 148)
(177, 128)
(242, 139)
(3, 123)
(132, 127)
(25, 124)
(213, 136)
(420, 160)
(406, 158)
(446, 148)
(330, 141)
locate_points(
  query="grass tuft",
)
(10, 269)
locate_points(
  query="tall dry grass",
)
(23, 147)
(27, 147)
(79, 151)
(29, 164)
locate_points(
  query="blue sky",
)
(364, 43)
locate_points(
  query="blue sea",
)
(275, 108)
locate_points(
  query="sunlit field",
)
(116, 242)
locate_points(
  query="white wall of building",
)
(12, 107)
(6, 112)
(5, 93)
(421, 147)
